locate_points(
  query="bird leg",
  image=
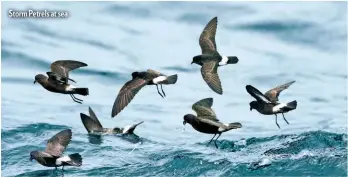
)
(163, 91)
(276, 121)
(159, 92)
(211, 139)
(216, 140)
(71, 95)
(285, 119)
(76, 98)
(72, 80)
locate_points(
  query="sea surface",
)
(275, 42)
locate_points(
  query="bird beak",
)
(184, 123)
(251, 108)
(34, 81)
(30, 159)
(191, 63)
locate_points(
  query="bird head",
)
(253, 105)
(188, 118)
(196, 59)
(135, 74)
(39, 77)
(32, 155)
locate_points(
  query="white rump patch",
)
(278, 107)
(159, 79)
(70, 88)
(223, 61)
(60, 160)
(125, 130)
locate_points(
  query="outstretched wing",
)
(154, 73)
(257, 94)
(126, 94)
(211, 77)
(91, 122)
(204, 110)
(273, 94)
(62, 67)
(207, 38)
(57, 144)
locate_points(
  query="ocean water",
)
(275, 42)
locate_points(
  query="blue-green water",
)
(275, 42)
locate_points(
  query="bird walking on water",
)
(139, 80)
(93, 126)
(58, 77)
(210, 59)
(268, 104)
(52, 156)
(206, 121)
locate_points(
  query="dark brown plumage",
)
(206, 121)
(210, 59)
(139, 80)
(57, 80)
(93, 126)
(52, 156)
(268, 105)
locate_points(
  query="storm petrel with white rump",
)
(206, 121)
(210, 59)
(57, 80)
(139, 80)
(93, 126)
(268, 104)
(52, 156)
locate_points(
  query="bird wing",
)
(211, 121)
(154, 73)
(210, 76)
(62, 67)
(126, 94)
(273, 94)
(91, 122)
(57, 144)
(207, 38)
(257, 94)
(204, 110)
(42, 157)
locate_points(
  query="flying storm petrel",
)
(206, 121)
(57, 80)
(268, 104)
(52, 156)
(93, 126)
(139, 80)
(210, 59)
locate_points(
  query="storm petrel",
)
(268, 104)
(210, 59)
(206, 121)
(139, 80)
(57, 80)
(52, 156)
(93, 126)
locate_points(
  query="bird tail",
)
(72, 159)
(232, 60)
(234, 125)
(290, 106)
(81, 91)
(172, 79)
